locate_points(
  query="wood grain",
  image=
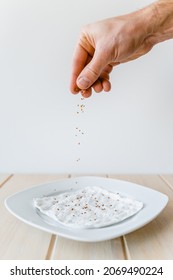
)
(17, 239)
(4, 178)
(67, 249)
(168, 179)
(153, 241)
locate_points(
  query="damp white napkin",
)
(89, 207)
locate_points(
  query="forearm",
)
(153, 23)
(163, 23)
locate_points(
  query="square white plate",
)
(21, 206)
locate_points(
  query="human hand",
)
(105, 44)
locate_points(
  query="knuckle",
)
(94, 72)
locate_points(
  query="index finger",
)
(78, 63)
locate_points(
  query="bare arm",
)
(105, 44)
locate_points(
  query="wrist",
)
(144, 22)
(163, 24)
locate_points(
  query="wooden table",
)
(20, 241)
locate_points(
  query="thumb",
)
(92, 71)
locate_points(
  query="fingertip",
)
(97, 86)
(74, 90)
(106, 85)
(83, 82)
(86, 92)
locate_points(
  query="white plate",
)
(21, 206)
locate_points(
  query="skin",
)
(107, 43)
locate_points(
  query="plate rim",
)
(77, 238)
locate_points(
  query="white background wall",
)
(129, 130)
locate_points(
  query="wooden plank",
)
(4, 178)
(153, 241)
(17, 239)
(168, 178)
(67, 249)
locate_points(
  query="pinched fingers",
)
(101, 84)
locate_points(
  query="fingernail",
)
(76, 89)
(83, 82)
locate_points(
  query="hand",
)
(107, 43)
